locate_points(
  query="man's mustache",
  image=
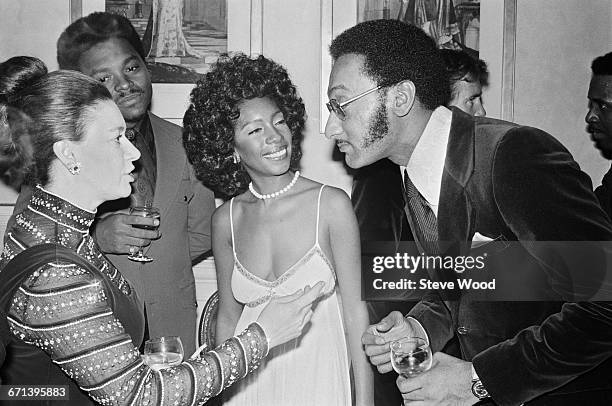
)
(129, 92)
(593, 128)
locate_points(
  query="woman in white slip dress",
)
(278, 233)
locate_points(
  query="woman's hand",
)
(284, 318)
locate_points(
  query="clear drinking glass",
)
(163, 352)
(143, 211)
(410, 356)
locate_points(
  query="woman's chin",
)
(125, 191)
(279, 168)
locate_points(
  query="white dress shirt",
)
(426, 164)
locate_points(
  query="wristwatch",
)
(478, 388)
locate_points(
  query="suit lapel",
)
(456, 216)
(170, 164)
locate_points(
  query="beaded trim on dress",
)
(49, 218)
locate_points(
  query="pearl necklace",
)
(275, 194)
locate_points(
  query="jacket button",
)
(462, 330)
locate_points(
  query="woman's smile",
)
(277, 155)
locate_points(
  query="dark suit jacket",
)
(378, 203)
(604, 193)
(167, 285)
(518, 183)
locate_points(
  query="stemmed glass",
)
(163, 352)
(410, 356)
(143, 211)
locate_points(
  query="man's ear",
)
(402, 95)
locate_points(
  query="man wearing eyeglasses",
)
(471, 179)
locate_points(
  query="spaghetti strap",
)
(232, 225)
(318, 210)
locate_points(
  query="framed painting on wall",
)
(454, 24)
(182, 38)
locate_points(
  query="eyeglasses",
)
(338, 108)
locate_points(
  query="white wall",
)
(555, 44)
(24, 30)
(32, 27)
(491, 44)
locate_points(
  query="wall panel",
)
(555, 44)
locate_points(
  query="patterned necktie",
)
(424, 219)
(425, 228)
(143, 187)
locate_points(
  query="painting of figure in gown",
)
(454, 24)
(181, 37)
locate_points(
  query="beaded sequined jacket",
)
(70, 312)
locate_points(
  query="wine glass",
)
(143, 211)
(410, 356)
(163, 352)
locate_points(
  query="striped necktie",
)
(424, 221)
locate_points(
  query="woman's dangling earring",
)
(236, 158)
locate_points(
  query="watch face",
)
(479, 390)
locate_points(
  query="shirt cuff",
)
(474, 374)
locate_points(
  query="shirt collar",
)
(144, 131)
(426, 164)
